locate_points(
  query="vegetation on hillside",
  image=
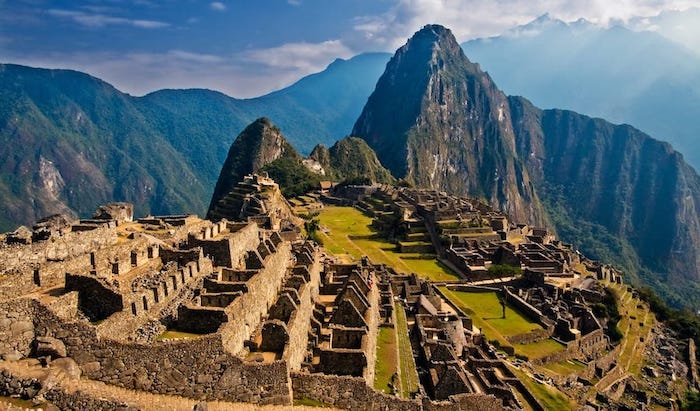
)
(684, 322)
(292, 176)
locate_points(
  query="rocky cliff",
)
(617, 193)
(438, 121)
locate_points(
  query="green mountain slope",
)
(69, 142)
(617, 194)
(351, 158)
(72, 142)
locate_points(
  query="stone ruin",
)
(244, 310)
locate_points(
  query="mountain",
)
(634, 77)
(322, 107)
(436, 120)
(261, 148)
(71, 142)
(256, 146)
(680, 26)
(617, 194)
(349, 159)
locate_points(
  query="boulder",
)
(68, 366)
(49, 347)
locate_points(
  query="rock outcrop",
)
(256, 146)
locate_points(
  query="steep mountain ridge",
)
(438, 121)
(71, 143)
(639, 192)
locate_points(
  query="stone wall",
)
(14, 386)
(528, 309)
(465, 402)
(229, 250)
(95, 299)
(58, 248)
(198, 368)
(247, 311)
(298, 326)
(350, 393)
(530, 337)
(590, 345)
(45, 263)
(83, 401)
(16, 319)
(372, 317)
(200, 320)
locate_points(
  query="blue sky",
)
(247, 48)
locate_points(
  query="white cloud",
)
(195, 57)
(469, 19)
(142, 73)
(101, 20)
(304, 56)
(294, 2)
(217, 5)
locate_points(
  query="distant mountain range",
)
(639, 78)
(69, 141)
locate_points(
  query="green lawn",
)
(345, 230)
(539, 349)
(486, 314)
(487, 308)
(565, 367)
(409, 378)
(386, 359)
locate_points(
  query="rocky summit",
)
(438, 121)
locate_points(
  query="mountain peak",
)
(432, 38)
(258, 145)
(435, 30)
(440, 122)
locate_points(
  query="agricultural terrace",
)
(345, 231)
(486, 313)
